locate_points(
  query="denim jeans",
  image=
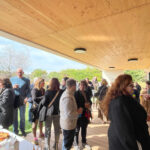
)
(68, 139)
(30, 113)
(22, 119)
(48, 124)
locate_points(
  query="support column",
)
(110, 75)
(147, 71)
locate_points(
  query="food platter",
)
(6, 141)
(3, 136)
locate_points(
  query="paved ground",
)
(96, 136)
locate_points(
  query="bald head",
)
(20, 72)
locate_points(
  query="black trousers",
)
(81, 123)
(68, 139)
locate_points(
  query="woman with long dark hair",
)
(83, 102)
(127, 117)
(52, 94)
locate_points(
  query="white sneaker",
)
(77, 147)
(85, 145)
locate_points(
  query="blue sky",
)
(39, 59)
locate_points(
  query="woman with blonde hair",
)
(37, 94)
(51, 102)
(127, 117)
(102, 90)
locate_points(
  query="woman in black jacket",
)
(6, 103)
(37, 94)
(128, 118)
(82, 97)
(52, 92)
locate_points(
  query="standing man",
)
(63, 84)
(68, 114)
(21, 87)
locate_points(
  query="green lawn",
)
(28, 125)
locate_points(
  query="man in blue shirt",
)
(21, 87)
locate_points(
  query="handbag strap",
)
(53, 99)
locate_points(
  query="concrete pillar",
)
(111, 75)
(147, 71)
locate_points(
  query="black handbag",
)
(34, 108)
(50, 109)
(42, 114)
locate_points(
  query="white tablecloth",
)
(20, 144)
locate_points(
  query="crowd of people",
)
(68, 106)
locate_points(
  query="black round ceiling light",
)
(80, 50)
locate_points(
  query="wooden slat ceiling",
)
(111, 30)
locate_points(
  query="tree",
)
(77, 74)
(39, 73)
(137, 75)
(10, 60)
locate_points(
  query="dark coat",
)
(81, 101)
(128, 125)
(49, 95)
(100, 94)
(88, 89)
(37, 96)
(7, 97)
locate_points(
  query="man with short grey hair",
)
(68, 114)
(21, 86)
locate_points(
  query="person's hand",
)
(80, 110)
(15, 86)
(25, 100)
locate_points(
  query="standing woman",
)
(128, 118)
(52, 94)
(83, 101)
(102, 90)
(37, 95)
(7, 97)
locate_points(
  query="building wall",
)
(110, 76)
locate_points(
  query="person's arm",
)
(92, 87)
(88, 96)
(5, 98)
(76, 95)
(123, 125)
(90, 92)
(34, 95)
(28, 91)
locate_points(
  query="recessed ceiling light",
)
(133, 59)
(111, 67)
(80, 50)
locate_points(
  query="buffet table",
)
(15, 142)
